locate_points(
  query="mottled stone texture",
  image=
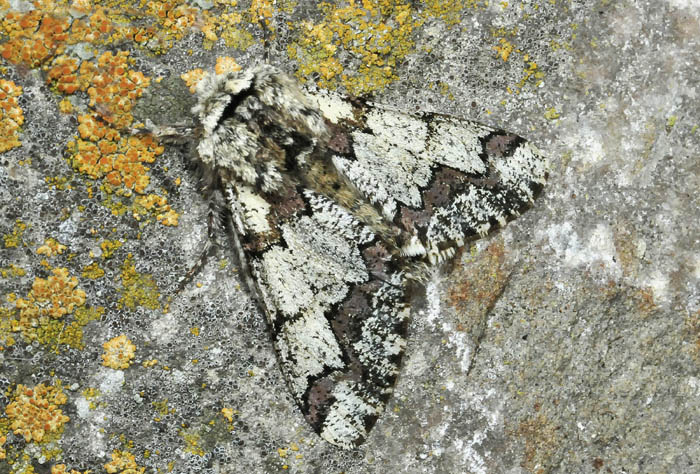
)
(568, 342)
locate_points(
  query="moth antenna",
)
(204, 256)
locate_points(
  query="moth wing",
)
(334, 303)
(441, 179)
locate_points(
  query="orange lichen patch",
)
(50, 248)
(11, 116)
(115, 88)
(101, 152)
(156, 205)
(52, 297)
(174, 16)
(111, 85)
(33, 36)
(62, 469)
(123, 462)
(69, 75)
(118, 353)
(3, 454)
(34, 412)
(226, 64)
(372, 37)
(193, 77)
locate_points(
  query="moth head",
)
(255, 125)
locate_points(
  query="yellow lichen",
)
(50, 248)
(551, 114)
(65, 106)
(228, 414)
(14, 239)
(108, 247)
(371, 37)
(192, 442)
(41, 313)
(504, 48)
(118, 352)
(90, 393)
(157, 206)
(448, 11)
(13, 270)
(93, 271)
(34, 412)
(123, 462)
(11, 115)
(52, 297)
(530, 72)
(137, 289)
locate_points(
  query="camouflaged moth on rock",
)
(336, 206)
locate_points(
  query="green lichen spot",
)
(14, 238)
(137, 289)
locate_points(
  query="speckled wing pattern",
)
(332, 203)
(439, 179)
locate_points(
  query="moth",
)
(338, 208)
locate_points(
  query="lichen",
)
(193, 442)
(137, 289)
(118, 352)
(52, 297)
(41, 315)
(449, 11)
(93, 271)
(123, 462)
(371, 38)
(51, 247)
(11, 115)
(102, 152)
(14, 239)
(108, 247)
(34, 413)
(157, 206)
